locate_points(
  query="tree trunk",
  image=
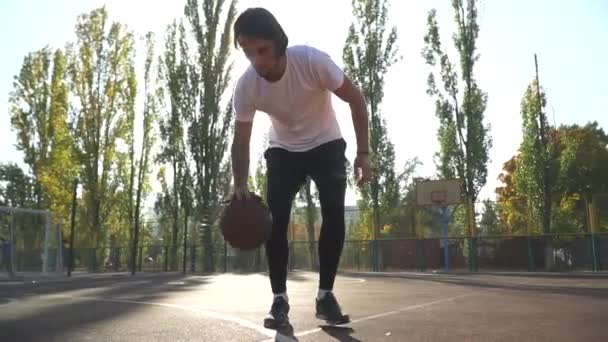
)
(175, 225)
(209, 262)
(186, 214)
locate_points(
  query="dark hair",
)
(259, 23)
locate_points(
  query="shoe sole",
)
(345, 319)
(271, 323)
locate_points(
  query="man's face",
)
(261, 54)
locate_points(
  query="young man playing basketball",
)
(294, 85)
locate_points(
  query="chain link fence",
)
(407, 238)
(30, 242)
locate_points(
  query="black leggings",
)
(287, 172)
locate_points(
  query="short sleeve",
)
(243, 101)
(326, 72)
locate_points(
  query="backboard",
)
(437, 193)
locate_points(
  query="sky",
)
(569, 37)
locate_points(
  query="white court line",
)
(350, 280)
(7, 283)
(211, 314)
(10, 301)
(404, 309)
(390, 313)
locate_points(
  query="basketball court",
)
(231, 307)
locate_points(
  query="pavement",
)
(231, 307)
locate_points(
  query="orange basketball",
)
(246, 223)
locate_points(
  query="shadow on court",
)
(395, 307)
(37, 318)
(343, 334)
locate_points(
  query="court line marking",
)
(348, 280)
(211, 314)
(388, 313)
(10, 301)
(405, 309)
(9, 283)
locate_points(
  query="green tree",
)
(120, 221)
(187, 205)
(30, 103)
(490, 224)
(584, 160)
(577, 165)
(101, 79)
(143, 166)
(368, 53)
(535, 176)
(464, 140)
(57, 175)
(16, 187)
(39, 114)
(399, 221)
(172, 72)
(583, 165)
(210, 72)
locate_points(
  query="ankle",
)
(283, 294)
(322, 293)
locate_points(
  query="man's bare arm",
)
(240, 153)
(350, 94)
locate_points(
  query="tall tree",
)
(209, 128)
(464, 140)
(57, 175)
(29, 108)
(534, 175)
(101, 74)
(368, 53)
(121, 220)
(143, 166)
(187, 206)
(39, 114)
(178, 98)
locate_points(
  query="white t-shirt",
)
(299, 104)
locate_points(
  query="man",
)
(294, 87)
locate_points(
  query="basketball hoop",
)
(439, 197)
(438, 193)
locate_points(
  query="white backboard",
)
(430, 193)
